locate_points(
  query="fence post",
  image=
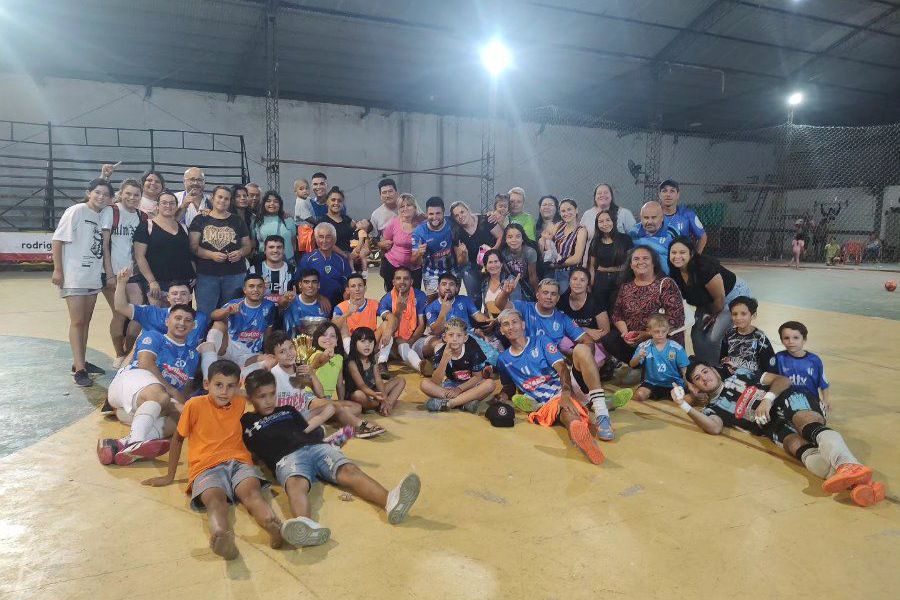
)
(49, 212)
(245, 176)
(152, 153)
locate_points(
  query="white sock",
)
(813, 460)
(215, 337)
(598, 401)
(347, 345)
(409, 356)
(385, 353)
(834, 449)
(206, 360)
(143, 425)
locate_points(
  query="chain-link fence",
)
(753, 190)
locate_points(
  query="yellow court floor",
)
(503, 513)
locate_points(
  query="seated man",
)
(307, 308)
(542, 318)
(403, 309)
(332, 267)
(652, 233)
(448, 304)
(779, 413)
(249, 320)
(150, 392)
(274, 269)
(534, 366)
(358, 311)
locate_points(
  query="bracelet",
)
(769, 396)
(685, 406)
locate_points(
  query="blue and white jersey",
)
(532, 371)
(176, 362)
(663, 367)
(153, 318)
(807, 373)
(658, 242)
(556, 326)
(439, 256)
(247, 326)
(462, 308)
(298, 310)
(685, 222)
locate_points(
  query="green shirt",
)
(527, 222)
(329, 373)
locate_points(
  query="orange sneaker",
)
(846, 476)
(581, 435)
(867, 494)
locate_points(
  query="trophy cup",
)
(303, 346)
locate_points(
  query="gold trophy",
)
(303, 346)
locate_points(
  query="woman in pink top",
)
(396, 242)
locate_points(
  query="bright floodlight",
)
(495, 57)
(795, 98)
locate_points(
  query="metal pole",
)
(49, 212)
(245, 176)
(272, 163)
(152, 153)
(488, 151)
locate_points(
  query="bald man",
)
(653, 234)
(193, 199)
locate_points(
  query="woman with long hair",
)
(566, 243)
(396, 242)
(548, 214)
(473, 235)
(240, 205)
(606, 257)
(520, 259)
(271, 220)
(604, 199)
(152, 185)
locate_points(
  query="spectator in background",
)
(332, 267)
(564, 244)
(271, 220)
(517, 213)
(873, 248)
(162, 251)
(346, 228)
(683, 221)
(320, 196)
(302, 208)
(433, 245)
(607, 256)
(193, 200)
(473, 235)
(652, 233)
(240, 205)
(548, 215)
(604, 200)
(152, 185)
(253, 195)
(520, 259)
(396, 242)
(381, 216)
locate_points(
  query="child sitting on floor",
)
(458, 379)
(664, 361)
(294, 450)
(803, 368)
(364, 383)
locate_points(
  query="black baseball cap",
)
(669, 183)
(501, 415)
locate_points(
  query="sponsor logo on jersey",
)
(744, 401)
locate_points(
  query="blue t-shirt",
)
(807, 373)
(557, 326)
(439, 256)
(176, 362)
(532, 371)
(333, 273)
(663, 367)
(247, 326)
(463, 308)
(299, 310)
(659, 242)
(421, 300)
(153, 318)
(685, 222)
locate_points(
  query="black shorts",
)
(657, 392)
(792, 401)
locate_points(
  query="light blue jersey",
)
(248, 325)
(663, 367)
(176, 362)
(532, 370)
(555, 326)
(153, 318)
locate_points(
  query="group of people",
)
(215, 292)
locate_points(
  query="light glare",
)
(495, 57)
(795, 98)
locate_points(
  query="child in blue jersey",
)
(535, 366)
(432, 245)
(803, 368)
(664, 361)
(249, 320)
(307, 309)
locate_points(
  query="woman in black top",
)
(708, 286)
(548, 214)
(607, 256)
(473, 235)
(343, 225)
(587, 310)
(162, 251)
(220, 241)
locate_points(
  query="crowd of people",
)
(227, 297)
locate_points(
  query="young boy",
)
(293, 449)
(273, 269)
(804, 369)
(458, 380)
(284, 368)
(307, 307)
(744, 346)
(664, 361)
(220, 469)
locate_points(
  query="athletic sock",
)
(215, 337)
(834, 449)
(598, 402)
(347, 345)
(144, 424)
(206, 360)
(409, 356)
(385, 353)
(812, 459)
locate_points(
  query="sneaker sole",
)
(147, 450)
(297, 533)
(867, 494)
(581, 435)
(369, 435)
(409, 492)
(844, 481)
(105, 453)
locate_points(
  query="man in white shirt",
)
(193, 199)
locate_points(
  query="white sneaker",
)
(401, 498)
(303, 531)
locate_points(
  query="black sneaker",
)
(92, 369)
(82, 378)
(107, 407)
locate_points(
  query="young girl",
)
(271, 220)
(797, 247)
(328, 361)
(78, 270)
(520, 259)
(364, 382)
(607, 256)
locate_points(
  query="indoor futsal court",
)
(477, 299)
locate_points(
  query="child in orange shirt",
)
(220, 468)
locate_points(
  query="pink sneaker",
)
(341, 436)
(107, 450)
(141, 451)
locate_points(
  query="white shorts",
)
(126, 386)
(419, 345)
(238, 353)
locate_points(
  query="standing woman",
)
(271, 220)
(548, 214)
(78, 270)
(569, 240)
(221, 242)
(607, 256)
(474, 235)
(708, 286)
(152, 185)
(345, 229)
(240, 205)
(396, 242)
(520, 259)
(605, 200)
(162, 251)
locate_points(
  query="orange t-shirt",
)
(367, 316)
(213, 434)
